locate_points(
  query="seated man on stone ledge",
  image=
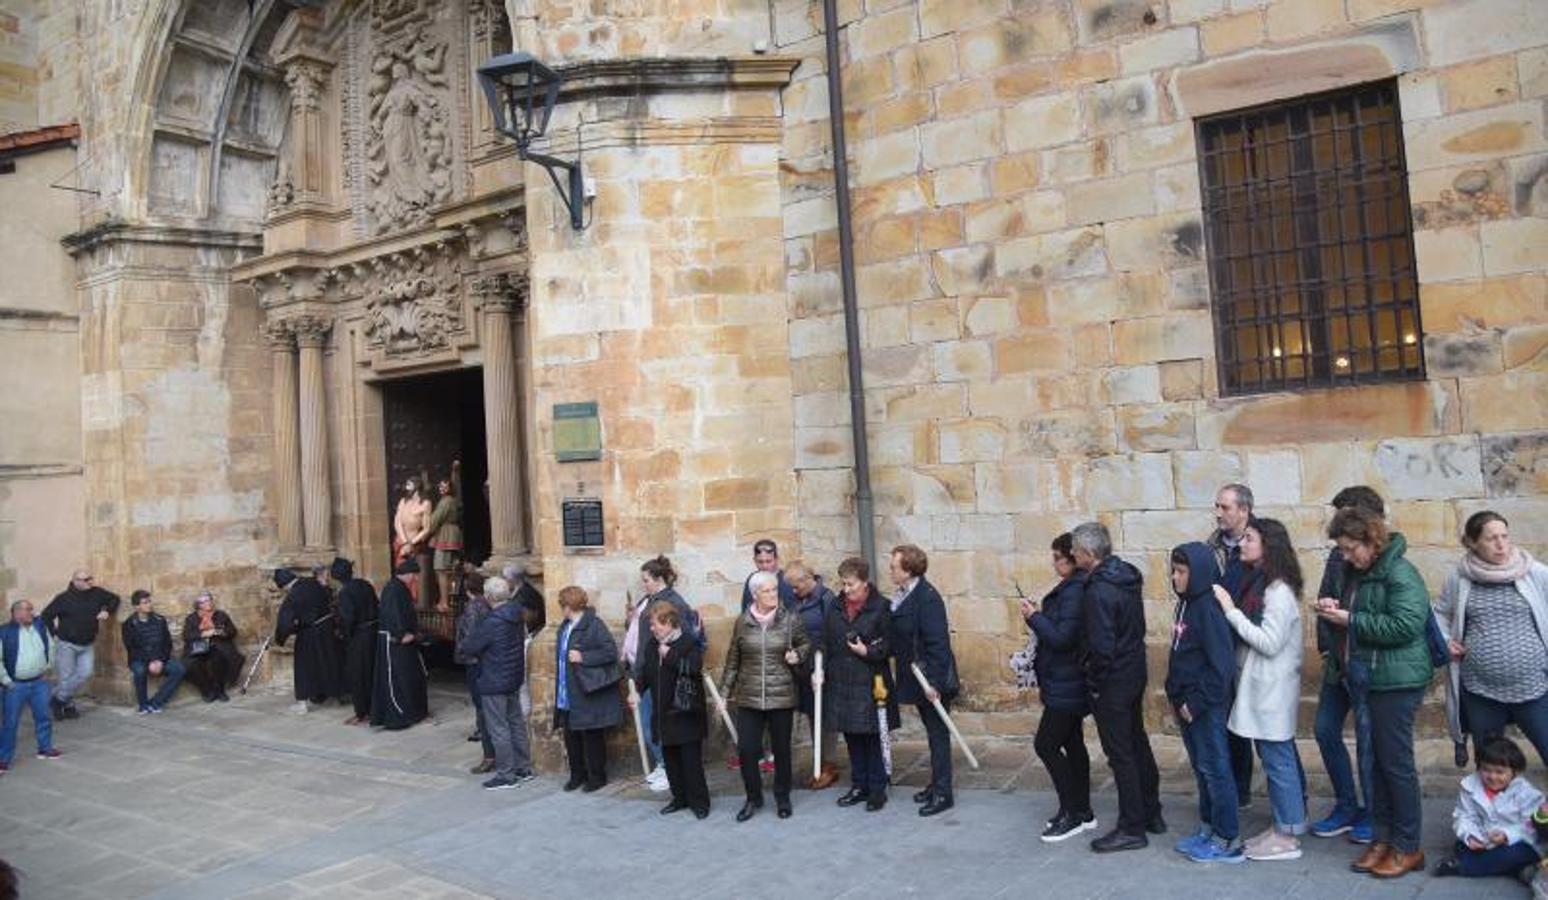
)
(148, 643)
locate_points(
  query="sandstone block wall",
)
(1035, 298)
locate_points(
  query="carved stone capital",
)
(311, 331)
(280, 336)
(501, 292)
(305, 77)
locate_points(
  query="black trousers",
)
(1061, 745)
(939, 739)
(685, 773)
(750, 725)
(867, 767)
(1121, 726)
(588, 755)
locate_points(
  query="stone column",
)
(316, 497)
(500, 297)
(287, 442)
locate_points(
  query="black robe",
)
(400, 695)
(357, 618)
(306, 614)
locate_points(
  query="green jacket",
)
(1386, 622)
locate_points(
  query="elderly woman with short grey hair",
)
(767, 642)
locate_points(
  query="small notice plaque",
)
(577, 432)
(582, 522)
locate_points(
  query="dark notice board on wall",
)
(582, 522)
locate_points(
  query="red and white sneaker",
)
(50, 753)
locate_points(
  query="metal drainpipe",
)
(865, 507)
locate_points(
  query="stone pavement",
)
(252, 800)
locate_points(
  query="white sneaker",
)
(657, 780)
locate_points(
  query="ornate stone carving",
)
(501, 292)
(279, 335)
(311, 331)
(413, 301)
(408, 139)
(305, 80)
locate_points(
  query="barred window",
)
(1311, 258)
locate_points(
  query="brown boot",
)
(1372, 857)
(484, 766)
(1397, 864)
(827, 778)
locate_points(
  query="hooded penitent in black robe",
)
(399, 699)
(357, 616)
(306, 614)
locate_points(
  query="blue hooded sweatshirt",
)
(1203, 657)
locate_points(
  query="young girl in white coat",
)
(1268, 692)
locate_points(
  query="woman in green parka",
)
(1383, 615)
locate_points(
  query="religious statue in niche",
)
(409, 144)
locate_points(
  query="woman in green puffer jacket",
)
(1384, 614)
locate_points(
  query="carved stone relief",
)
(413, 300)
(409, 106)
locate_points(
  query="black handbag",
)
(687, 695)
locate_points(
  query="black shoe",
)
(925, 795)
(876, 801)
(1156, 825)
(1067, 826)
(782, 808)
(747, 810)
(573, 783)
(701, 813)
(853, 797)
(1445, 867)
(209, 698)
(70, 712)
(674, 806)
(938, 804)
(223, 697)
(593, 786)
(475, 738)
(1116, 840)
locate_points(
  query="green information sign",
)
(577, 432)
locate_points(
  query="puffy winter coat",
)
(1115, 626)
(1387, 620)
(498, 643)
(755, 674)
(1061, 638)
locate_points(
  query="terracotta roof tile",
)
(38, 138)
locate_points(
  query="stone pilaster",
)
(501, 296)
(281, 339)
(316, 494)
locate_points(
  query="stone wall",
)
(1035, 304)
(41, 502)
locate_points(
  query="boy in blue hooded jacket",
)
(1198, 686)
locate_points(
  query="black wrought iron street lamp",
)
(521, 93)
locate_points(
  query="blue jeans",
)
(1209, 753)
(1286, 790)
(647, 704)
(1507, 860)
(1396, 811)
(1487, 718)
(34, 696)
(172, 672)
(1334, 705)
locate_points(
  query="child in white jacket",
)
(1493, 818)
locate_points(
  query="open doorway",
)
(429, 421)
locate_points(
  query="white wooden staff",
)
(945, 717)
(817, 716)
(720, 704)
(639, 730)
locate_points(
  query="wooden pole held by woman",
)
(720, 704)
(639, 729)
(945, 717)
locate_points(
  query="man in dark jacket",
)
(73, 617)
(1115, 679)
(148, 644)
(766, 559)
(919, 633)
(1199, 673)
(357, 620)
(1233, 510)
(1061, 740)
(498, 643)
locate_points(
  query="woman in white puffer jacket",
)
(1268, 693)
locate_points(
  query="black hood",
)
(1118, 573)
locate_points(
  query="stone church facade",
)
(301, 263)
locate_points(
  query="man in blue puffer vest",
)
(27, 652)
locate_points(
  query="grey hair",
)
(497, 590)
(1242, 493)
(759, 579)
(511, 573)
(1093, 538)
(15, 605)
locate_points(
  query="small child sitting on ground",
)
(1493, 818)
